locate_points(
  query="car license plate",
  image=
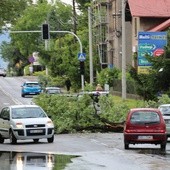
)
(36, 131)
(145, 137)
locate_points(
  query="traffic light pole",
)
(81, 49)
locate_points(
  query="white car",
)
(165, 110)
(21, 122)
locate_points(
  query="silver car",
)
(52, 90)
(21, 122)
(165, 109)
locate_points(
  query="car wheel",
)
(126, 145)
(50, 140)
(12, 138)
(1, 139)
(22, 95)
(163, 146)
(35, 140)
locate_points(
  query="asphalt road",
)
(97, 151)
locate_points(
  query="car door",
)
(5, 122)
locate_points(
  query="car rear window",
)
(144, 117)
(32, 84)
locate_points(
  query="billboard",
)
(151, 43)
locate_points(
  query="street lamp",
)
(123, 51)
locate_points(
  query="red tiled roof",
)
(150, 8)
(161, 26)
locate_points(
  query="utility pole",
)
(74, 17)
(123, 51)
(90, 46)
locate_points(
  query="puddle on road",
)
(30, 161)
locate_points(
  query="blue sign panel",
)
(150, 43)
(81, 56)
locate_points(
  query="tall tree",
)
(10, 10)
(58, 16)
(83, 4)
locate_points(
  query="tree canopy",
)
(11, 10)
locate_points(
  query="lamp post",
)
(90, 46)
(123, 51)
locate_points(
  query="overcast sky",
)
(68, 1)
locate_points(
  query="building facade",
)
(152, 15)
(107, 33)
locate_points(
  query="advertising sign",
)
(150, 43)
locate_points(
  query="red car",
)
(145, 125)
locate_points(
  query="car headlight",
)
(50, 123)
(19, 125)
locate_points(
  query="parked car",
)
(145, 125)
(165, 110)
(2, 72)
(21, 122)
(30, 88)
(52, 90)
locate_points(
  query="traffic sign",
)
(158, 52)
(31, 59)
(81, 56)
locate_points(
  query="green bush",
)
(47, 80)
(72, 114)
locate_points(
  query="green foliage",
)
(11, 10)
(73, 114)
(111, 111)
(27, 72)
(83, 4)
(46, 80)
(24, 44)
(70, 114)
(107, 76)
(164, 99)
(88, 87)
(146, 84)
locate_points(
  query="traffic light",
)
(45, 32)
(82, 67)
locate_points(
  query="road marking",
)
(14, 100)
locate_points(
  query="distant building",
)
(140, 15)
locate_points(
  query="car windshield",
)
(145, 117)
(27, 112)
(165, 110)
